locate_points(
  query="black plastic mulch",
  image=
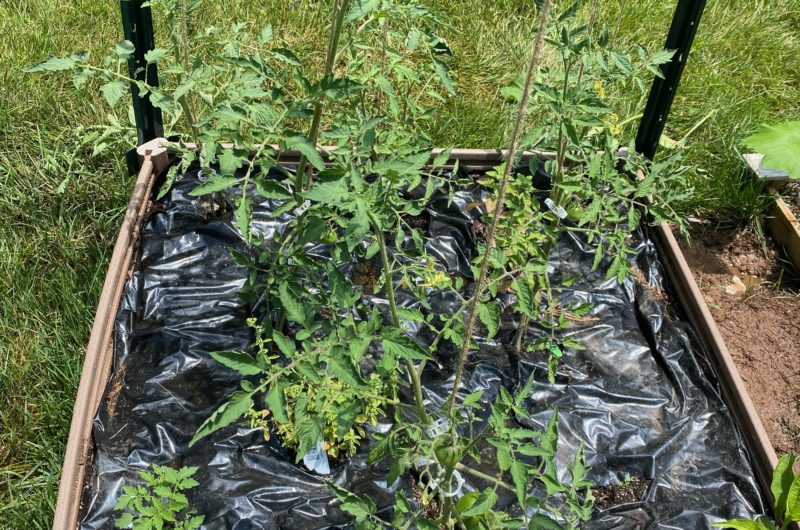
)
(639, 396)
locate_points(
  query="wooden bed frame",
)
(99, 354)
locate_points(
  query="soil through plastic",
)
(640, 398)
(759, 321)
(630, 491)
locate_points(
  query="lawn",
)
(60, 208)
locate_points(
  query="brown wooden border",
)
(785, 228)
(782, 222)
(734, 390)
(97, 364)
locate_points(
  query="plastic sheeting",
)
(639, 397)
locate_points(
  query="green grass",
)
(54, 247)
(744, 68)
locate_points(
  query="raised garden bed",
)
(791, 195)
(782, 216)
(97, 366)
(784, 224)
(754, 299)
(392, 336)
(661, 443)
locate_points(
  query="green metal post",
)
(680, 38)
(137, 23)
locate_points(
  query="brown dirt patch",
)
(655, 292)
(479, 231)
(433, 509)
(630, 491)
(791, 195)
(365, 276)
(86, 490)
(416, 221)
(757, 307)
(115, 389)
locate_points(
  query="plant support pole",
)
(480, 286)
(137, 25)
(680, 38)
(337, 23)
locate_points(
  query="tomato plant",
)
(331, 357)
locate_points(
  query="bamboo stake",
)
(501, 196)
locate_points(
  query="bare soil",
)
(655, 292)
(416, 221)
(632, 490)
(115, 389)
(791, 194)
(756, 304)
(433, 510)
(365, 276)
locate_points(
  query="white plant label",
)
(300, 210)
(558, 210)
(459, 483)
(439, 426)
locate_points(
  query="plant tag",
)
(317, 460)
(438, 427)
(459, 483)
(550, 269)
(302, 208)
(558, 210)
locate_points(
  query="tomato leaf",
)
(214, 184)
(113, 91)
(485, 501)
(401, 346)
(276, 403)
(293, 306)
(780, 144)
(306, 148)
(490, 316)
(52, 64)
(230, 411)
(242, 362)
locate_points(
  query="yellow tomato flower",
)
(613, 125)
(598, 88)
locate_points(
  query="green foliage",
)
(600, 192)
(525, 461)
(362, 508)
(54, 64)
(159, 503)
(570, 503)
(785, 490)
(328, 360)
(313, 392)
(254, 93)
(780, 144)
(45, 211)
